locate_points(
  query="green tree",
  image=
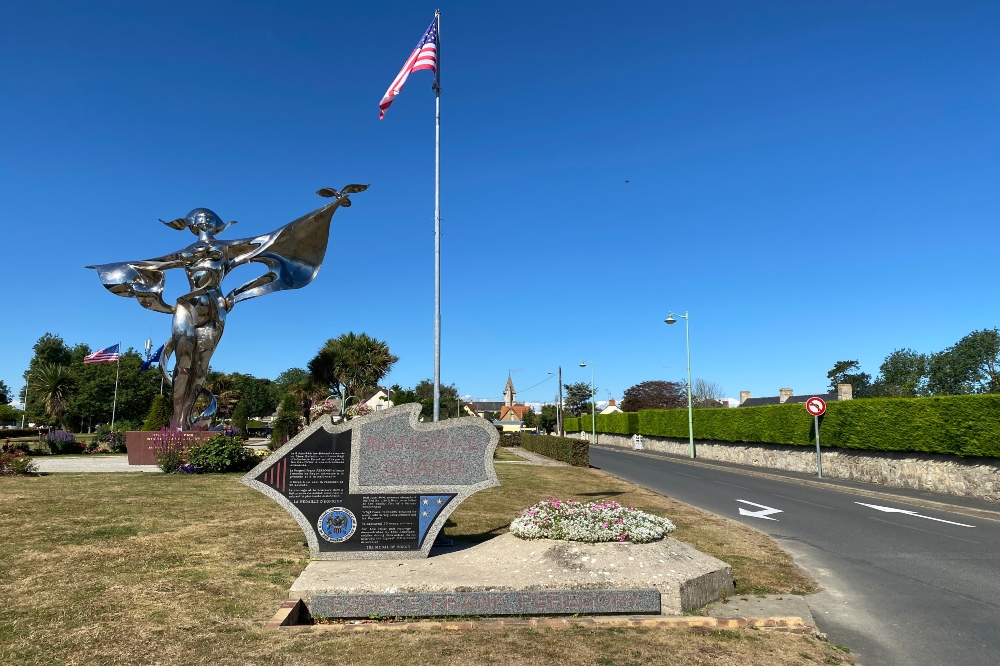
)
(902, 374)
(6, 395)
(578, 397)
(654, 395)
(8, 413)
(286, 425)
(241, 416)
(260, 395)
(94, 399)
(159, 414)
(849, 372)
(53, 384)
(289, 377)
(529, 419)
(423, 393)
(400, 396)
(548, 418)
(970, 366)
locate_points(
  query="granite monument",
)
(378, 486)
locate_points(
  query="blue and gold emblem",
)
(337, 524)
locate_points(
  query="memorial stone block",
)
(378, 486)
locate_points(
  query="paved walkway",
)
(530, 458)
(88, 464)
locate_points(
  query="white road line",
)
(761, 513)
(894, 510)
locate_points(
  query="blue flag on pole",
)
(153, 359)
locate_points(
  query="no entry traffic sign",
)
(816, 406)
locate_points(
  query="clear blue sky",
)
(812, 181)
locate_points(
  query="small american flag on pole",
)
(108, 354)
(424, 56)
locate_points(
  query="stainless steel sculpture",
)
(292, 254)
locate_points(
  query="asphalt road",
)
(898, 588)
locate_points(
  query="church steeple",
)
(508, 392)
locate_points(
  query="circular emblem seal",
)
(337, 524)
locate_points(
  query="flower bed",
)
(601, 521)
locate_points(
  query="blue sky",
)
(812, 181)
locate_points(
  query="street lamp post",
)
(593, 401)
(671, 319)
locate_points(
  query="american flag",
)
(101, 356)
(425, 56)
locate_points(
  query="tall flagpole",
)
(118, 367)
(437, 223)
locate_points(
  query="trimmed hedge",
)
(777, 424)
(624, 423)
(573, 452)
(956, 425)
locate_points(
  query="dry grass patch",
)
(175, 569)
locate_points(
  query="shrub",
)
(170, 448)
(601, 521)
(511, 439)
(222, 454)
(572, 424)
(16, 463)
(573, 452)
(159, 414)
(62, 442)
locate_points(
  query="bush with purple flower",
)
(599, 521)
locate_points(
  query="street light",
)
(593, 400)
(671, 319)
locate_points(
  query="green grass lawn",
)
(186, 569)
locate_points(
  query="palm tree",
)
(53, 384)
(352, 364)
(227, 394)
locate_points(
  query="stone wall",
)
(977, 477)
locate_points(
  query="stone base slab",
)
(685, 578)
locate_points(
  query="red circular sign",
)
(816, 406)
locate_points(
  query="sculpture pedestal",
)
(141, 445)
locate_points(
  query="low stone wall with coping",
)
(977, 477)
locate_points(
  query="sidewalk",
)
(88, 464)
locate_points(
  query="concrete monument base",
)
(507, 575)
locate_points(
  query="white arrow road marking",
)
(912, 513)
(759, 514)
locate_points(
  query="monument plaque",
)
(379, 486)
